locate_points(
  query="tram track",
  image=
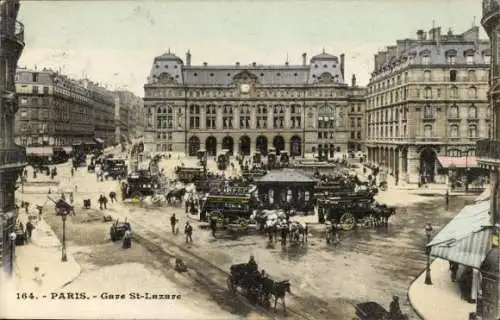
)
(213, 279)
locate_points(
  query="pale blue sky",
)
(115, 42)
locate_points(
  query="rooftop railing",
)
(12, 28)
(488, 149)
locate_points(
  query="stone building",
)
(427, 98)
(129, 115)
(12, 157)
(301, 109)
(356, 115)
(55, 110)
(488, 151)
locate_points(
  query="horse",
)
(297, 230)
(176, 195)
(276, 288)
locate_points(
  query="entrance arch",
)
(211, 146)
(245, 145)
(194, 146)
(261, 144)
(279, 144)
(295, 146)
(428, 160)
(228, 143)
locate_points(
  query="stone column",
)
(236, 117)
(287, 118)
(270, 118)
(203, 117)
(219, 121)
(253, 117)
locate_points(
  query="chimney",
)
(205, 64)
(304, 59)
(420, 34)
(342, 60)
(237, 64)
(188, 59)
(254, 64)
(286, 63)
(353, 81)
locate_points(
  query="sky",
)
(115, 42)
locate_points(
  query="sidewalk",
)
(44, 253)
(441, 300)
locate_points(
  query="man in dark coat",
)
(29, 229)
(173, 222)
(188, 230)
(252, 264)
(213, 225)
(395, 310)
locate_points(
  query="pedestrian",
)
(63, 197)
(40, 209)
(213, 225)
(105, 201)
(187, 206)
(447, 198)
(26, 207)
(188, 230)
(101, 202)
(112, 196)
(173, 222)
(395, 309)
(71, 199)
(72, 172)
(29, 229)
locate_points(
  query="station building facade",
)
(245, 108)
(427, 98)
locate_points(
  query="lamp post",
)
(428, 233)
(466, 171)
(12, 237)
(64, 214)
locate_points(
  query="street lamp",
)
(64, 214)
(466, 171)
(428, 233)
(12, 237)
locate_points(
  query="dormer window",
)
(469, 59)
(451, 56)
(487, 59)
(426, 59)
(325, 66)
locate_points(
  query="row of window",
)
(393, 132)
(245, 109)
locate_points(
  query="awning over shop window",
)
(466, 238)
(40, 151)
(67, 149)
(99, 140)
(458, 162)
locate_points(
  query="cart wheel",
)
(136, 197)
(347, 221)
(230, 285)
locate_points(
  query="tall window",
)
(454, 92)
(278, 117)
(428, 131)
(472, 92)
(261, 117)
(165, 117)
(295, 116)
(428, 111)
(427, 75)
(194, 116)
(472, 131)
(472, 112)
(453, 75)
(426, 59)
(245, 117)
(451, 59)
(453, 112)
(227, 117)
(469, 59)
(454, 131)
(428, 93)
(471, 75)
(211, 114)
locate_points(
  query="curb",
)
(408, 293)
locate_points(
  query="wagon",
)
(247, 279)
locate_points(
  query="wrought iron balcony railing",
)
(12, 28)
(12, 157)
(488, 149)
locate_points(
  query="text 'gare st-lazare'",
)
(300, 109)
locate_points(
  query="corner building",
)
(244, 108)
(12, 157)
(427, 98)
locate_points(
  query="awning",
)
(466, 239)
(458, 162)
(485, 195)
(99, 140)
(88, 141)
(68, 149)
(40, 151)
(77, 143)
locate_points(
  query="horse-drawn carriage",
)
(118, 229)
(115, 168)
(231, 210)
(257, 286)
(139, 184)
(350, 210)
(188, 174)
(223, 159)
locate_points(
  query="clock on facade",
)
(245, 88)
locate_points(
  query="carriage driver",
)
(252, 264)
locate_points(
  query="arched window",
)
(472, 131)
(453, 75)
(453, 112)
(428, 92)
(454, 92)
(428, 131)
(472, 92)
(472, 112)
(454, 131)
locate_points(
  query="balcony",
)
(12, 158)
(419, 140)
(12, 28)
